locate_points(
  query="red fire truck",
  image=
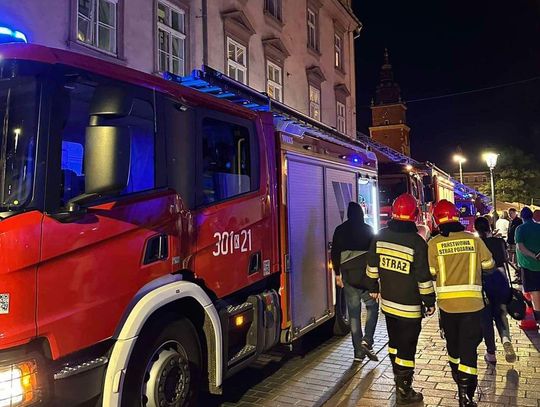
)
(156, 238)
(427, 182)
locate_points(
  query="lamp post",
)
(491, 161)
(460, 160)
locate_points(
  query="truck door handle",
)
(254, 263)
(156, 249)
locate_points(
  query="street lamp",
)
(491, 161)
(460, 159)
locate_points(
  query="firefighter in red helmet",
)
(456, 259)
(397, 259)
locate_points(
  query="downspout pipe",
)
(205, 31)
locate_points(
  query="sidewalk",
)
(515, 384)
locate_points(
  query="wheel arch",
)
(166, 295)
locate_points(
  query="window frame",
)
(313, 26)
(269, 82)
(182, 10)
(338, 52)
(54, 173)
(255, 156)
(95, 24)
(312, 103)
(277, 6)
(236, 65)
(340, 103)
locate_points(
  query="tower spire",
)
(388, 91)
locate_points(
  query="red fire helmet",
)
(445, 212)
(405, 207)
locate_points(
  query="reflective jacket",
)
(398, 258)
(456, 261)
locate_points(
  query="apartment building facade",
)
(301, 52)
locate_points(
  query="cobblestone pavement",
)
(305, 377)
(516, 384)
(322, 374)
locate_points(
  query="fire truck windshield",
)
(18, 114)
(390, 188)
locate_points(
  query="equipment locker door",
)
(309, 279)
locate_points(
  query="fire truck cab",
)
(426, 182)
(158, 235)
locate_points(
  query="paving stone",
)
(325, 375)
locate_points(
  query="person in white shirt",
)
(502, 225)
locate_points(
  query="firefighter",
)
(456, 259)
(398, 259)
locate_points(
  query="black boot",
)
(404, 391)
(467, 388)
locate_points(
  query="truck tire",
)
(165, 366)
(342, 325)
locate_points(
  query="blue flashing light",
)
(19, 35)
(9, 35)
(356, 160)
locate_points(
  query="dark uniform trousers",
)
(463, 333)
(402, 340)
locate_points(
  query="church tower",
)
(388, 112)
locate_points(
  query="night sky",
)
(442, 47)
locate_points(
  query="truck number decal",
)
(231, 242)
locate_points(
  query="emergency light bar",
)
(8, 35)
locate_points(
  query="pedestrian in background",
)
(502, 225)
(528, 255)
(398, 258)
(350, 244)
(515, 221)
(457, 258)
(497, 290)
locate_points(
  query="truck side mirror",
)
(111, 101)
(107, 153)
(426, 180)
(429, 194)
(106, 162)
(107, 159)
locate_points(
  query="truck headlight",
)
(18, 384)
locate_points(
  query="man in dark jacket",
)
(398, 259)
(349, 248)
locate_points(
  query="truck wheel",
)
(342, 325)
(165, 367)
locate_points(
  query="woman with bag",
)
(497, 294)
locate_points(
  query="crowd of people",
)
(464, 274)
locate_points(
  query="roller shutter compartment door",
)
(307, 243)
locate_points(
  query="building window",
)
(273, 7)
(236, 60)
(171, 39)
(313, 28)
(338, 50)
(274, 85)
(315, 102)
(97, 24)
(341, 121)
